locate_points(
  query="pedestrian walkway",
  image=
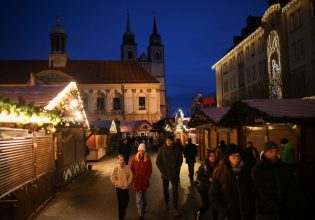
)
(92, 196)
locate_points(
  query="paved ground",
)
(92, 196)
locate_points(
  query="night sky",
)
(195, 34)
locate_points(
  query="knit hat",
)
(269, 145)
(169, 136)
(141, 147)
(231, 149)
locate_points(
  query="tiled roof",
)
(290, 108)
(83, 71)
(129, 126)
(216, 113)
(39, 95)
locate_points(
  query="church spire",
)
(128, 46)
(155, 38)
(128, 29)
(154, 27)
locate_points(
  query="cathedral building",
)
(273, 58)
(126, 89)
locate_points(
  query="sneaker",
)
(176, 213)
(199, 216)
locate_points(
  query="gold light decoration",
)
(274, 65)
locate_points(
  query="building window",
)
(240, 58)
(226, 86)
(248, 75)
(296, 20)
(312, 8)
(157, 56)
(141, 103)
(252, 49)
(130, 55)
(100, 103)
(85, 101)
(297, 50)
(262, 69)
(247, 53)
(254, 73)
(116, 102)
(230, 64)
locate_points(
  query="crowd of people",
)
(232, 184)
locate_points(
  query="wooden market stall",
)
(31, 145)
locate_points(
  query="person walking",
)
(125, 149)
(278, 196)
(204, 178)
(220, 150)
(169, 160)
(141, 167)
(287, 155)
(231, 190)
(121, 177)
(250, 156)
(190, 153)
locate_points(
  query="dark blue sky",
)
(195, 34)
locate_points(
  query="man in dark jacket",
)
(190, 153)
(250, 155)
(125, 149)
(169, 160)
(277, 194)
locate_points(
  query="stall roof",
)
(39, 95)
(216, 113)
(130, 126)
(101, 123)
(290, 108)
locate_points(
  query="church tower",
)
(156, 59)
(129, 46)
(58, 39)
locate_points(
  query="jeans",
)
(123, 200)
(141, 202)
(174, 183)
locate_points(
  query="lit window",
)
(141, 103)
(116, 102)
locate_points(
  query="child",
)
(122, 177)
(204, 175)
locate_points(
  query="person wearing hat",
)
(231, 190)
(277, 193)
(141, 167)
(169, 160)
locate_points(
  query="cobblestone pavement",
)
(92, 196)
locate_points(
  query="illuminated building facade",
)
(110, 89)
(274, 57)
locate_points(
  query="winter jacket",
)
(124, 149)
(142, 170)
(288, 153)
(276, 189)
(250, 157)
(204, 173)
(238, 200)
(190, 153)
(121, 177)
(169, 161)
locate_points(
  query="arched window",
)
(85, 100)
(141, 103)
(130, 55)
(100, 101)
(157, 56)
